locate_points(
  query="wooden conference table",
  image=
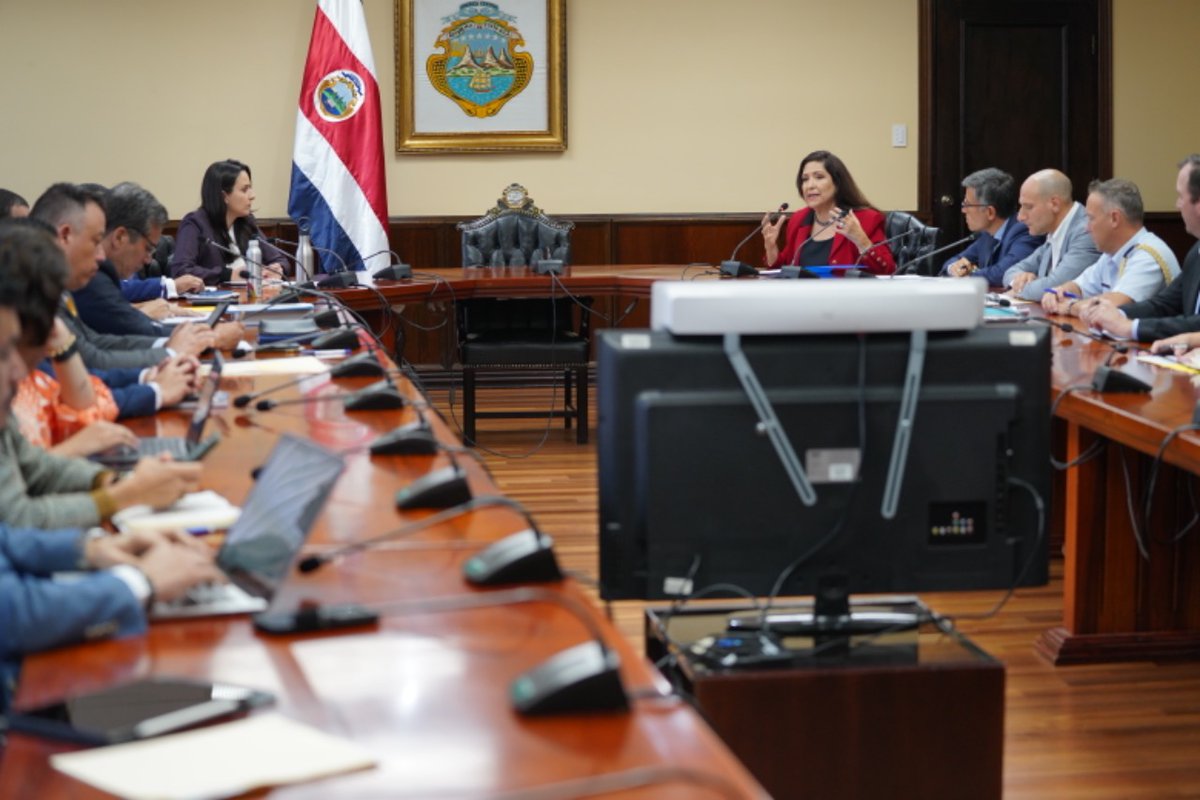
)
(1116, 604)
(425, 693)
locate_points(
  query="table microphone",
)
(885, 242)
(736, 269)
(380, 396)
(968, 238)
(239, 254)
(1106, 378)
(342, 279)
(343, 338)
(396, 271)
(526, 556)
(355, 366)
(439, 488)
(586, 677)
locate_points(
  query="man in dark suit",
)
(134, 221)
(1168, 317)
(77, 217)
(988, 207)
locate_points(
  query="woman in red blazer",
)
(839, 227)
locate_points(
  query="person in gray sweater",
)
(38, 489)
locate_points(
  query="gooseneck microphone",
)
(736, 269)
(342, 279)
(243, 256)
(585, 677)
(884, 243)
(902, 267)
(343, 338)
(313, 563)
(380, 396)
(358, 365)
(1106, 377)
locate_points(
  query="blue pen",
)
(199, 531)
(1071, 295)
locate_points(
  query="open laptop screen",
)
(291, 490)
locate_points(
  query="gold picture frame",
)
(498, 102)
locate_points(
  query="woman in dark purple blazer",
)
(212, 239)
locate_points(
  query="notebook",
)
(181, 448)
(260, 547)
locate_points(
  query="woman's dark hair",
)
(848, 195)
(219, 179)
(8, 199)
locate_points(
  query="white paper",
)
(207, 511)
(296, 365)
(216, 761)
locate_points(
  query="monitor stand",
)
(833, 617)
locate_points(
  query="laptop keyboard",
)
(209, 593)
(153, 445)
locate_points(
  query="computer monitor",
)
(693, 494)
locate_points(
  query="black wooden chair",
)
(522, 335)
(912, 252)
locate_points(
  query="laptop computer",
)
(260, 547)
(181, 448)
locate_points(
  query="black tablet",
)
(138, 710)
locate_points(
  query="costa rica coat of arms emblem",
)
(479, 67)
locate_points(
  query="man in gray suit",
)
(77, 217)
(1047, 210)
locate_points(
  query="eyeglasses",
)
(145, 238)
(965, 204)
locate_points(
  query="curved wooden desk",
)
(426, 694)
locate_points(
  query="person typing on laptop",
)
(37, 488)
(123, 575)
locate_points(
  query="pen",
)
(1070, 295)
(198, 531)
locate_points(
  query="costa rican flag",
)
(339, 191)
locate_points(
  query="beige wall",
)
(1156, 116)
(675, 105)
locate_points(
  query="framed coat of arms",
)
(477, 77)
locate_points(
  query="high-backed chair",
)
(527, 335)
(913, 250)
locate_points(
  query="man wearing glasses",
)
(134, 221)
(1047, 209)
(989, 202)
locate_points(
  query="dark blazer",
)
(40, 613)
(842, 251)
(1173, 309)
(104, 308)
(108, 350)
(994, 260)
(193, 256)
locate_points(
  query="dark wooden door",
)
(1020, 85)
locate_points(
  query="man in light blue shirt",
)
(1134, 263)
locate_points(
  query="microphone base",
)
(1108, 379)
(441, 488)
(363, 365)
(586, 677)
(737, 269)
(396, 272)
(791, 272)
(338, 280)
(342, 338)
(414, 439)
(522, 557)
(375, 398)
(548, 266)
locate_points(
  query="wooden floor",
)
(1114, 731)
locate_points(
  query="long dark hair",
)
(218, 181)
(847, 195)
